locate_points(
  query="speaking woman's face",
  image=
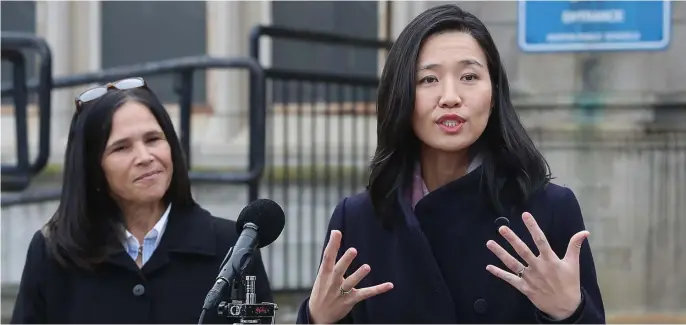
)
(137, 158)
(453, 92)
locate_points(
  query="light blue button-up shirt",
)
(150, 241)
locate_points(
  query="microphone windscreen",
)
(269, 218)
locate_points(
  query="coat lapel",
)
(189, 231)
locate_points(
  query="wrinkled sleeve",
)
(568, 221)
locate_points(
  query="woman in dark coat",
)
(127, 244)
(460, 222)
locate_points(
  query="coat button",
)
(138, 290)
(481, 306)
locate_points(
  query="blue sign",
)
(550, 26)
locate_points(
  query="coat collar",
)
(189, 231)
(418, 186)
(468, 184)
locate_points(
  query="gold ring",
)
(343, 292)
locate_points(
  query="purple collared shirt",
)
(419, 189)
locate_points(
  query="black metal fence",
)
(320, 126)
(18, 177)
(183, 68)
(312, 134)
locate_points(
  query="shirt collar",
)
(157, 230)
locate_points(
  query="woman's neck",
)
(440, 167)
(140, 218)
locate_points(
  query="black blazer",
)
(453, 285)
(170, 288)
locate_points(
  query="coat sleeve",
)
(568, 220)
(30, 306)
(335, 223)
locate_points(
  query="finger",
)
(344, 263)
(366, 293)
(510, 278)
(331, 251)
(519, 246)
(355, 278)
(537, 234)
(574, 247)
(512, 263)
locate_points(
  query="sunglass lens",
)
(92, 94)
(129, 83)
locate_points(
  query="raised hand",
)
(334, 296)
(552, 284)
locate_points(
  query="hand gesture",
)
(334, 296)
(552, 284)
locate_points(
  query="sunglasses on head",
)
(99, 91)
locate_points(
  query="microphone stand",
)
(247, 311)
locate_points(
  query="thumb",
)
(574, 248)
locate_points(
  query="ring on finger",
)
(344, 292)
(520, 273)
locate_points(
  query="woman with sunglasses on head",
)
(127, 244)
(460, 222)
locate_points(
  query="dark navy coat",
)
(436, 259)
(169, 289)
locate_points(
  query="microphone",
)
(259, 224)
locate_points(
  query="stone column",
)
(76, 47)
(228, 31)
(383, 32)
(402, 12)
(52, 23)
(87, 40)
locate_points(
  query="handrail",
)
(13, 44)
(184, 67)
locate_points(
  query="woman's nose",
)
(450, 97)
(143, 155)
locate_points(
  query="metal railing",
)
(323, 133)
(183, 68)
(630, 183)
(18, 178)
(317, 150)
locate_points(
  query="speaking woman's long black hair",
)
(87, 223)
(510, 158)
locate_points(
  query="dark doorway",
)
(352, 18)
(136, 32)
(18, 16)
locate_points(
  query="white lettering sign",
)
(612, 16)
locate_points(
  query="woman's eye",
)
(428, 79)
(470, 77)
